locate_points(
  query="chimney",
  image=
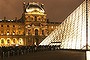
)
(4, 18)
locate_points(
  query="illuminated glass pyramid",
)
(74, 31)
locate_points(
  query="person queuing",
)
(22, 50)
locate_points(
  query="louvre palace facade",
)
(30, 29)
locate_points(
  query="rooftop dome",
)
(30, 7)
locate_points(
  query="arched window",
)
(14, 41)
(2, 41)
(36, 31)
(7, 32)
(2, 32)
(20, 41)
(13, 32)
(35, 18)
(8, 41)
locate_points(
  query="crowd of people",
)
(22, 50)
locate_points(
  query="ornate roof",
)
(34, 7)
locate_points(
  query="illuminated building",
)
(30, 29)
(74, 31)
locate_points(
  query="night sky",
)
(57, 10)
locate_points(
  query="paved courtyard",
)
(51, 55)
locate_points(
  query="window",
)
(1, 32)
(13, 25)
(7, 32)
(42, 32)
(13, 40)
(1, 25)
(8, 41)
(7, 25)
(35, 18)
(2, 41)
(36, 32)
(13, 32)
(20, 41)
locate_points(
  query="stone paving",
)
(50, 55)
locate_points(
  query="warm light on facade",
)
(7, 33)
(13, 33)
(11, 42)
(20, 41)
(52, 27)
(23, 31)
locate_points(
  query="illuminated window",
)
(28, 25)
(2, 41)
(1, 32)
(8, 33)
(13, 40)
(13, 32)
(51, 26)
(8, 41)
(21, 41)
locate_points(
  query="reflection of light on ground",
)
(88, 55)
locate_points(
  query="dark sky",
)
(57, 10)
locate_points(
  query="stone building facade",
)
(30, 29)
